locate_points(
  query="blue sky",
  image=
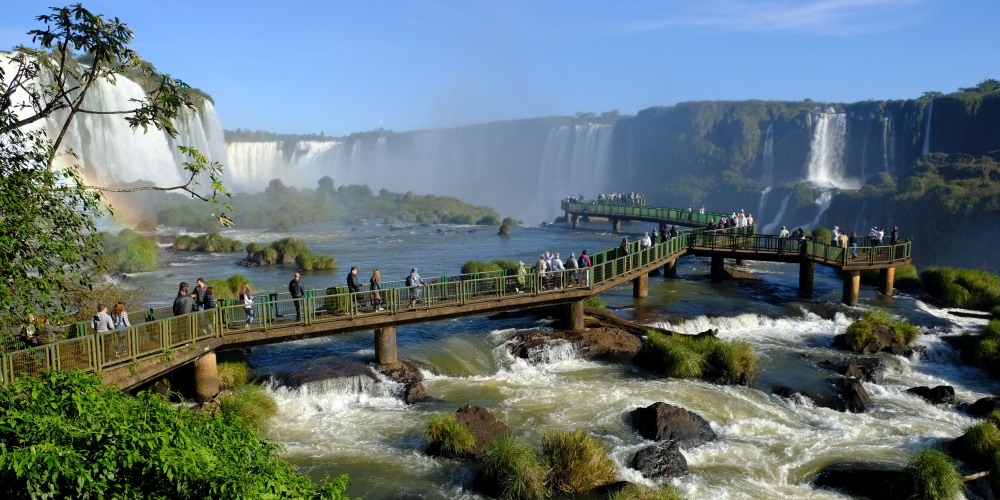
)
(303, 66)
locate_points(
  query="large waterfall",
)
(825, 165)
(493, 164)
(927, 128)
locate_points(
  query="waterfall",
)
(888, 144)
(770, 228)
(927, 128)
(762, 204)
(823, 203)
(767, 158)
(826, 150)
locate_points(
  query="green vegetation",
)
(211, 242)
(48, 238)
(504, 230)
(707, 357)
(577, 462)
(67, 436)
(129, 252)
(636, 492)
(232, 374)
(475, 266)
(228, 288)
(966, 288)
(906, 276)
(986, 348)
(286, 251)
(511, 464)
(595, 301)
(822, 235)
(251, 404)
(445, 432)
(980, 441)
(931, 475)
(868, 333)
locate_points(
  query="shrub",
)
(636, 492)
(595, 301)
(211, 242)
(445, 432)
(251, 404)
(128, 252)
(932, 475)
(510, 221)
(577, 462)
(101, 443)
(504, 229)
(489, 220)
(510, 463)
(904, 332)
(475, 266)
(822, 235)
(736, 360)
(232, 374)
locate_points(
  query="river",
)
(767, 446)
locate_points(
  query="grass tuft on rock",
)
(511, 464)
(251, 404)
(445, 432)
(864, 334)
(688, 356)
(232, 374)
(636, 492)
(980, 441)
(931, 475)
(577, 462)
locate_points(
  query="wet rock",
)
(662, 460)
(407, 373)
(592, 343)
(482, 424)
(661, 422)
(859, 479)
(983, 407)
(942, 394)
(784, 392)
(866, 369)
(414, 393)
(853, 394)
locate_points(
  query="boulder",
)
(941, 394)
(414, 393)
(408, 374)
(865, 369)
(482, 424)
(662, 460)
(662, 422)
(983, 406)
(853, 394)
(859, 479)
(602, 342)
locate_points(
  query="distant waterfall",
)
(822, 204)
(826, 150)
(888, 145)
(509, 166)
(773, 225)
(927, 128)
(767, 157)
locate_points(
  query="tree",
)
(47, 237)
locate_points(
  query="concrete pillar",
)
(852, 287)
(206, 377)
(670, 269)
(574, 315)
(385, 345)
(806, 269)
(575, 220)
(885, 279)
(718, 269)
(640, 286)
(741, 262)
(616, 225)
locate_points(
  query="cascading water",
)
(927, 128)
(767, 156)
(772, 226)
(888, 145)
(825, 165)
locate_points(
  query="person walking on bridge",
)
(245, 297)
(297, 291)
(540, 267)
(415, 282)
(353, 286)
(375, 285)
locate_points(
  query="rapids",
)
(768, 447)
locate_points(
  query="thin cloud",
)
(812, 17)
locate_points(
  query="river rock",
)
(983, 407)
(592, 343)
(853, 394)
(662, 460)
(865, 369)
(482, 424)
(941, 394)
(859, 479)
(407, 373)
(661, 422)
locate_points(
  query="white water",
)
(927, 128)
(888, 144)
(767, 158)
(825, 166)
(771, 227)
(822, 204)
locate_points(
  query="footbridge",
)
(157, 345)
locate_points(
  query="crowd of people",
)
(549, 271)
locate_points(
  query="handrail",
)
(671, 215)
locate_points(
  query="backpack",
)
(409, 280)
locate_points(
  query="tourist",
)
(102, 321)
(199, 294)
(702, 210)
(842, 240)
(522, 273)
(894, 236)
(184, 303)
(572, 265)
(540, 267)
(623, 247)
(646, 241)
(246, 298)
(375, 285)
(119, 317)
(415, 282)
(209, 298)
(557, 269)
(835, 235)
(749, 219)
(673, 232)
(584, 263)
(853, 243)
(783, 233)
(297, 291)
(879, 234)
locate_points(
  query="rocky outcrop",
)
(942, 394)
(663, 422)
(482, 424)
(408, 374)
(859, 479)
(660, 461)
(883, 342)
(865, 369)
(983, 407)
(853, 394)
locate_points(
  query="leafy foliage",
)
(475, 266)
(512, 464)
(65, 435)
(128, 252)
(288, 250)
(577, 462)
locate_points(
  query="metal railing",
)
(667, 215)
(814, 250)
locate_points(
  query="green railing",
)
(667, 215)
(814, 250)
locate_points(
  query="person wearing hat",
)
(415, 282)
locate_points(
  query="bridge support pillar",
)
(385, 345)
(741, 262)
(718, 269)
(852, 287)
(640, 286)
(574, 220)
(206, 377)
(885, 279)
(670, 269)
(806, 269)
(574, 315)
(616, 225)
